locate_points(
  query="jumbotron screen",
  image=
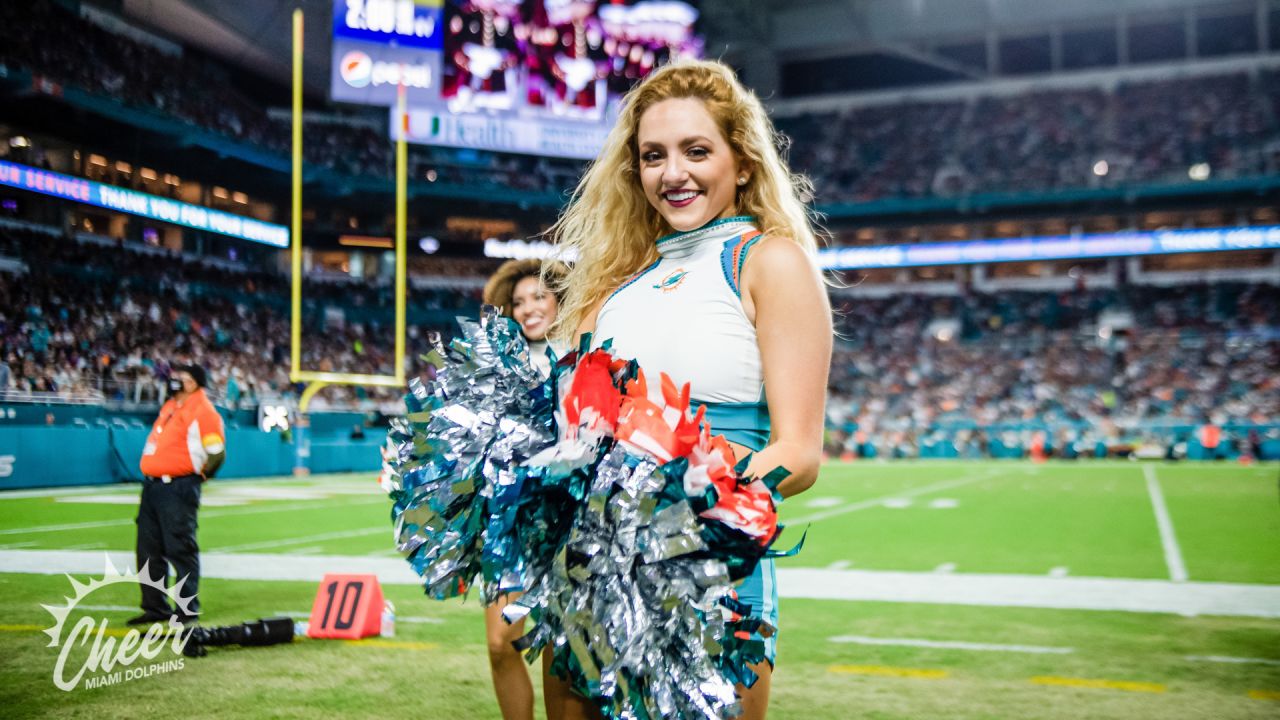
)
(540, 77)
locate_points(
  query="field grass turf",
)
(1091, 519)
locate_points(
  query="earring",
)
(742, 180)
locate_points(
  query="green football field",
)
(924, 590)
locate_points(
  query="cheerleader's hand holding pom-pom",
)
(628, 531)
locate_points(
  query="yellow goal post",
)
(318, 380)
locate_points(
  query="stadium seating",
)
(201, 93)
(88, 320)
(1146, 132)
(105, 322)
(1040, 362)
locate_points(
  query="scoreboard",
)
(541, 77)
(378, 44)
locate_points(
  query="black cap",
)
(196, 372)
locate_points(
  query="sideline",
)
(1034, 591)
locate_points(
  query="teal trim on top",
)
(733, 270)
(746, 424)
(708, 226)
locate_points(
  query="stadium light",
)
(273, 416)
(366, 241)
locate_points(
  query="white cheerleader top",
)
(683, 315)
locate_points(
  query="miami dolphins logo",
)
(671, 281)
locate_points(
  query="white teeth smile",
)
(681, 196)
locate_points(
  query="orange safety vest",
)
(183, 437)
(1210, 436)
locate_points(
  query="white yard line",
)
(1039, 591)
(1172, 553)
(343, 486)
(952, 645)
(225, 512)
(1036, 591)
(65, 527)
(307, 505)
(61, 492)
(880, 501)
(1231, 660)
(270, 544)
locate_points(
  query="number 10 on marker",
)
(347, 606)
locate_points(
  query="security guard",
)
(186, 446)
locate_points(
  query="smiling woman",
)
(687, 169)
(696, 258)
(517, 288)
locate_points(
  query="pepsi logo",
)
(356, 69)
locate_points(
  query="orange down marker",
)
(347, 607)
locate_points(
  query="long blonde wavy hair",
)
(610, 225)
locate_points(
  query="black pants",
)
(167, 536)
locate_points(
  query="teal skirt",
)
(747, 424)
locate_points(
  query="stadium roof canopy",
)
(251, 34)
(939, 38)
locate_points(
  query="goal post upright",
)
(295, 208)
(318, 380)
(402, 206)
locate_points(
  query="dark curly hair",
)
(502, 284)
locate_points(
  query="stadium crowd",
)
(1149, 131)
(1143, 132)
(911, 369)
(79, 318)
(202, 93)
(107, 322)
